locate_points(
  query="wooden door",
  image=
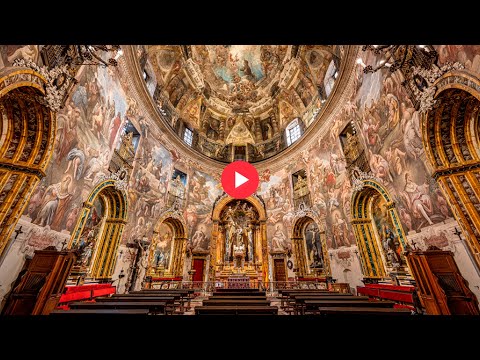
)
(279, 270)
(198, 265)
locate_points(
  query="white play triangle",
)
(240, 179)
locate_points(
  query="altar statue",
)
(250, 242)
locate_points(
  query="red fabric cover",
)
(86, 292)
(391, 287)
(89, 287)
(388, 292)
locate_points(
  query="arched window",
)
(293, 132)
(188, 136)
(330, 77)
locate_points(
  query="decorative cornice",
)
(426, 96)
(120, 177)
(58, 82)
(359, 177)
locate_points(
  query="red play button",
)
(240, 179)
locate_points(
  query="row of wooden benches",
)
(237, 302)
(157, 302)
(323, 302)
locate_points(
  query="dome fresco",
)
(220, 91)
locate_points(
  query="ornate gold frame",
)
(21, 173)
(179, 243)
(458, 180)
(299, 249)
(215, 251)
(361, 209)
(116, 204)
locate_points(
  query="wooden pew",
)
(362, 311)
(101, 312)
(172, 301)
(183, 299)
(236, 310)
(297, 302)
(311, 306)
(285, 295)
(157, 307)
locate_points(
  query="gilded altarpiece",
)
(239, 243)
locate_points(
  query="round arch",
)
(217, 235)
(299, 244)
(27, 133)
(106, 246)
(176, 222)
(451, 137)
(372, 262)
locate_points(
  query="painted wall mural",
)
(276, 192)
(203, 190)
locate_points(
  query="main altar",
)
(239, 246)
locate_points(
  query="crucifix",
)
(18, 231)
(63, 244)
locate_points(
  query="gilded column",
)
(213, 251)
(263, 234)
(178, 253)
(298, 252)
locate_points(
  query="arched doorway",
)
(168, 247)
(378, 231)
(450, 133)
(239, 238)
(27, 134)
(98, 231)
(310, 247)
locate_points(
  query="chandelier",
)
(94, 55)
(402, 57)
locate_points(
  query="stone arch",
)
(106, 246)
(216, 239)
(27, 133)
(299, 245)
(451, 137)
(175, 221)
(372, 259)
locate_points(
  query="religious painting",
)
(162, 248)
(178, 185)
(91, 234)
(238, 219)
(301, 192)
(10, 53)
(276, 192)
(202, 192)
(314, 252)
(389, 242)
(303, 90)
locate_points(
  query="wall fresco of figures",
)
(203, 190)
(90, 125)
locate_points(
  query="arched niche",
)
(168, 247)
(378, 231)
(103, 245)
(259, 237)
(310, 246)
(450, 134)
(27, 133)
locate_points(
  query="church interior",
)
(111, 197)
